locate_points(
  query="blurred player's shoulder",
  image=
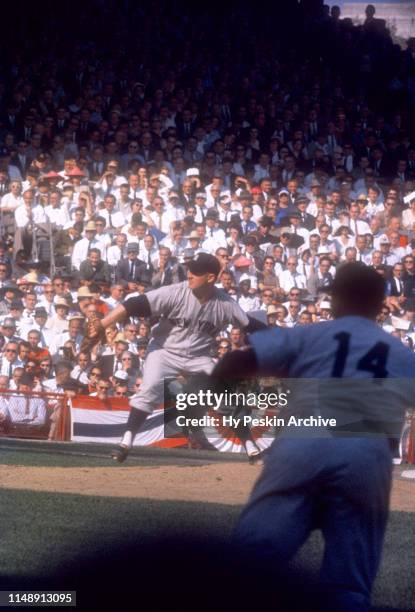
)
(354, 336)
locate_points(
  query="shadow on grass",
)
(125, 554)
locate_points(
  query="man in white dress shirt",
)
(81, 248)
(114, 219)
(357, 225)
(290, 278)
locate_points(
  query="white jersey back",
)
(350, 369)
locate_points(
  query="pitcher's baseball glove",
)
(93, 333)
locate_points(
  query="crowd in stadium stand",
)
(284, 151)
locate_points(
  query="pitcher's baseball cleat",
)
(119, 454)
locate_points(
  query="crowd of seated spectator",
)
(281, 141)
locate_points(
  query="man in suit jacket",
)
(131, 268)
(109, 364)
(184, 124)
(307, 221)
(395, 287)
(321, 279)
(95, 269)
(20, 159)
(167, 272)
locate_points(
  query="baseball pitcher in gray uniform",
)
(192, 314)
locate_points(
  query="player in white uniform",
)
(337, 479)
(192, 314)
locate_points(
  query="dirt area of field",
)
(226, 483)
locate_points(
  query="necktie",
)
(355, 227)
(211, 231)
(132, 269)
(110, 221)
(10, 370)
(149, 264)
(160, 221)
(118, 365)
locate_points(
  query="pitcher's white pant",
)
(161, 364)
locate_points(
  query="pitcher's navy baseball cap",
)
(204, 263)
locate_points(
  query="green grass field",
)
(44, 535)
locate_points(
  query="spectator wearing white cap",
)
(247, 300)
(58, 322)
(388, 258)
(408, 215)
(325, 310)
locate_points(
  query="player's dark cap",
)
(360, 288)
(204, 263)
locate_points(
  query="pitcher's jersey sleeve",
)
(164, 299)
